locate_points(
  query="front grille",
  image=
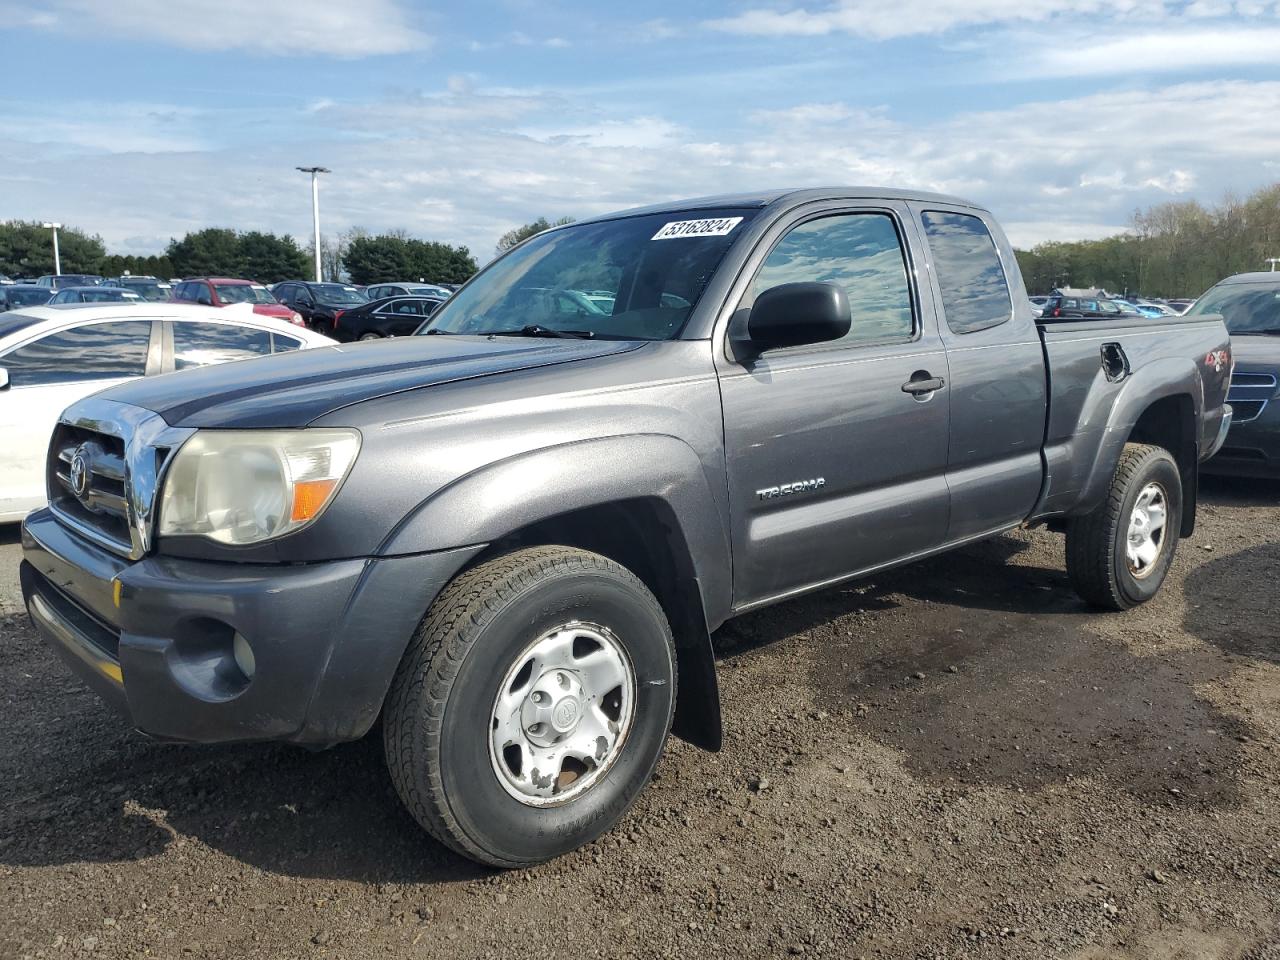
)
(1249, 395)
(97, 501)
(105, 464)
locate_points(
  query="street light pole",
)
(315, 211)
(57, 261)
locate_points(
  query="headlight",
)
(246, 486)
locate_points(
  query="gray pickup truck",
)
(510, 538)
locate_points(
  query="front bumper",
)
(155, 637)
(1252, 448)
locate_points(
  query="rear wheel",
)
(1119, 555)
(531, 706)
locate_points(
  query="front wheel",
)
(532, 705)
(370, 336)
(1119, 554)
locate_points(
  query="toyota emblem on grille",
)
(79, 473)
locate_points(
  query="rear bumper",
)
(156, 637)
(1251, 449)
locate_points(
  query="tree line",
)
(1177, 249)
(26, 250)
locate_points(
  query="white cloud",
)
(880, 20)
(485, 160)
(1162, 51)
(335, 28)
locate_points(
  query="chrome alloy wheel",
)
(1146, 530)
(562, 714)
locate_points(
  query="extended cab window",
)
(199, 344)
(95, 351)
(862, 253)
(975, 294)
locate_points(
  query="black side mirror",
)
(792, 314)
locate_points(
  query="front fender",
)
(508, 495)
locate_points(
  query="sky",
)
(140, 120)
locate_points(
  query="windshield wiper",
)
(1257, 333)
(436, 332)
(537, 330)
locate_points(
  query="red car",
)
(223, 292)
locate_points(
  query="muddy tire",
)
(1119, 554)
(531, 706)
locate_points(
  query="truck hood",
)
(293, 389)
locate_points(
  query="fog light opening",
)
(243, 654)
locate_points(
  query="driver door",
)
(834, 466)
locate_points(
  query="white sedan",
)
(52, 356)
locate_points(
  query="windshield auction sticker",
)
(719, 227)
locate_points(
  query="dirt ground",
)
(956, 759)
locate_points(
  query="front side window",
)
(644, 275)
(95, 351)
(200, 344)
(862, 253)
(975, 293)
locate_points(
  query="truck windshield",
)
(1246, 307)
(635, 278)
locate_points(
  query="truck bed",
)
(1082, 394)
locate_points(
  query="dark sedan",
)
(388, 317)
(1058, 307)
(1250, 303)
(94, 295)
(15, 295)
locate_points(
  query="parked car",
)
(53, 356)
(509, 540)
(93, 295)
(1250, 303)
(319, 303)
(226, 292)
(379, 291)
(1160, 308)
(15, 295)
(397, 316)
(59, 280)
(1091, 308)
(1141, 309)
(149, 288)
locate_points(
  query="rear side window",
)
(862, 253)
(200, 344)
(975, 294)
(95, 351)
(282, 344)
